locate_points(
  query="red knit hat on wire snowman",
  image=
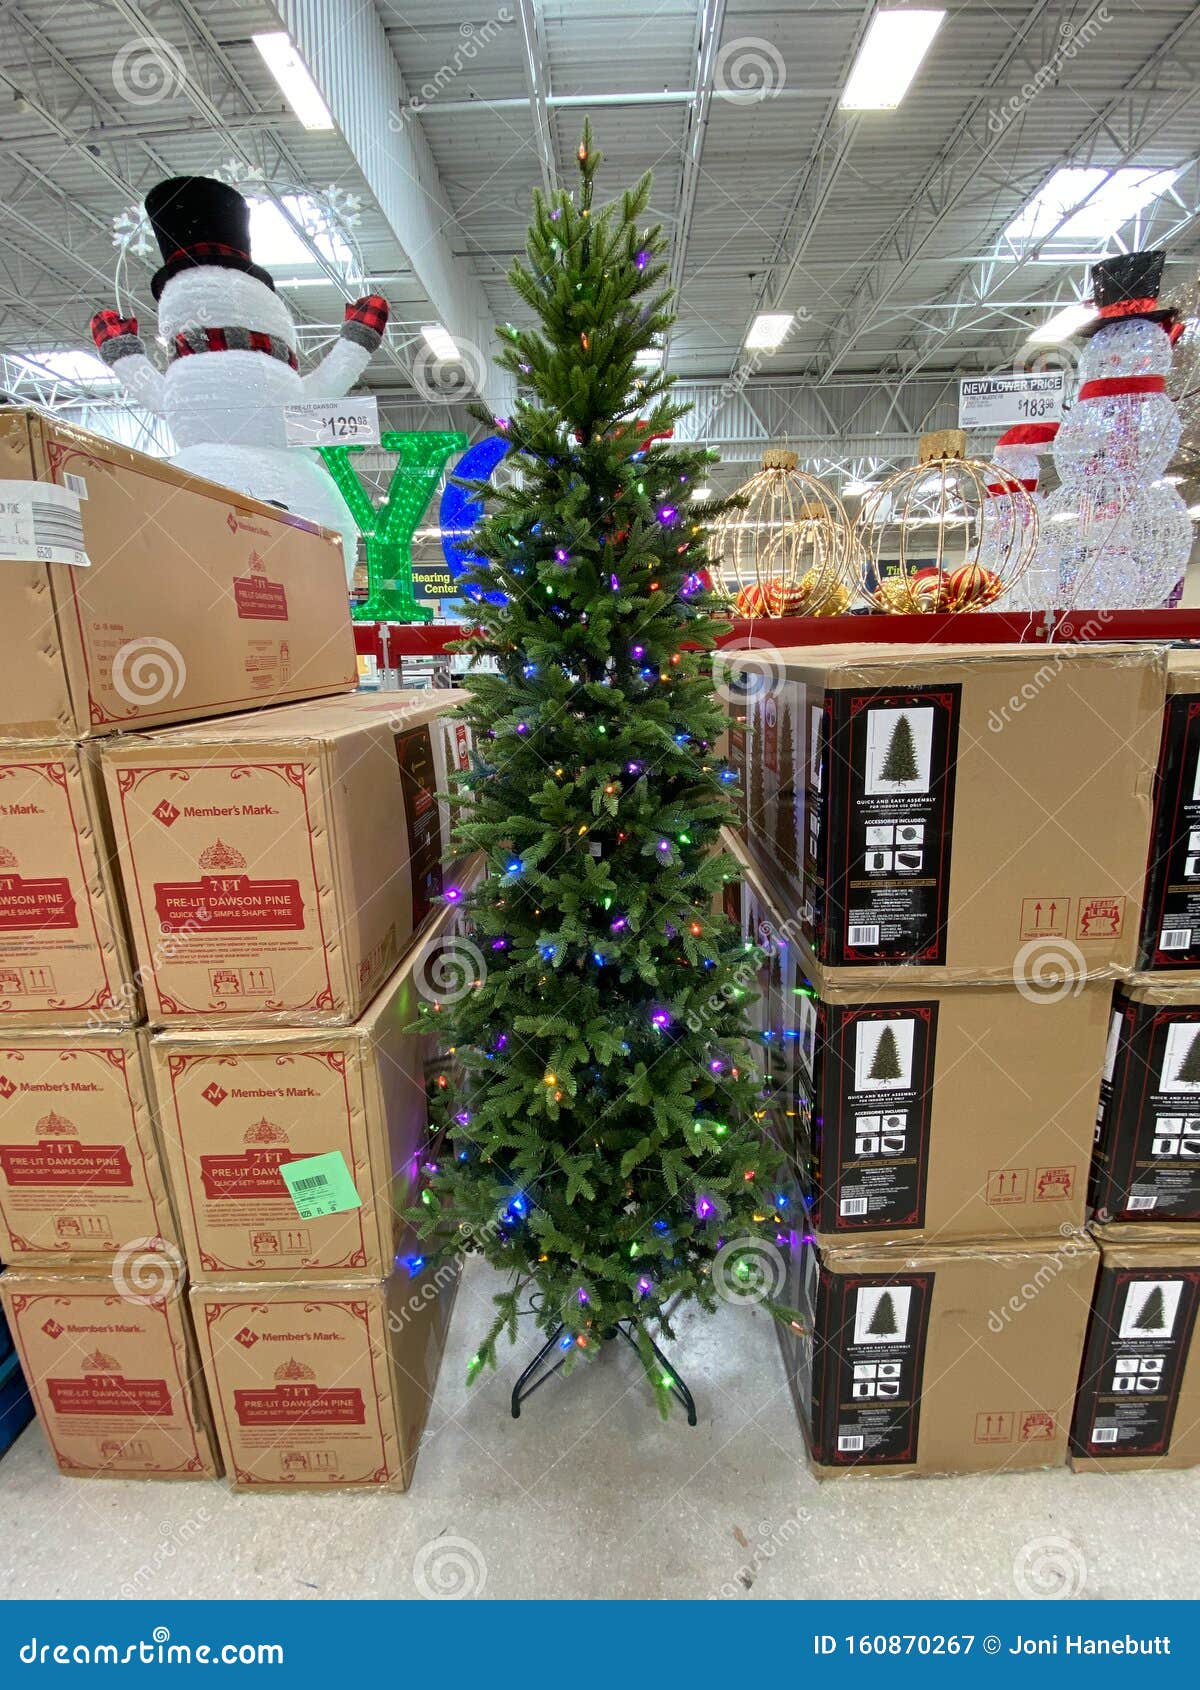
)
(232, 360)
(1117, 534)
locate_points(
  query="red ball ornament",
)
(785, 598)
(972, 587)
(752, 601)
(927, 589)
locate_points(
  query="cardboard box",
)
(80, 1177)
(926, 1111)
(323, 1387)
(1170, 938)
(939, 1358)
(116, 1380)
(1147, 1157)
(197, 601)
(237, 1106)
(64, 957)
(277, 865)
(1139, 1388)
(972, 810)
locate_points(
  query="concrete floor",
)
(591, 1495)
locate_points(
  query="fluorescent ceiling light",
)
(649, 358)
(1194, 512)
(702, 492)
(1063, 324)
(888, 59)
(1094, 202)
(768, 330)
(441, 343)
(68, 365)
(278, 246)
(295, 82)
(853, 488)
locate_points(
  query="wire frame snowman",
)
(931, 536)
(1183, 378)
(788, 550)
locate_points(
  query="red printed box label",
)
(299, 1406)
(252, 1175)
(52, 1163)
(104, 1394)
(36, 903)
(260, 600)
(230, 903)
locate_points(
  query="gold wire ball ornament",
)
(1183, 379)
(787, 550)
(947, 533)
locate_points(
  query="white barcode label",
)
(1142, 1202)
(852, 1206)
(76, 483)
(41, 523)
(1104, 1434)
(850, 1441)
(313, 1183)
(863, 936)
(1174, 938)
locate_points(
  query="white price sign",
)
(1001, 401)
(332, 422)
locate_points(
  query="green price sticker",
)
(320, 1185)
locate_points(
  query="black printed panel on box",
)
(1147, 1160)
(876, 1090)
(1171, 920)
(1134, 1360)
(418, 780)
(868, 1361)
(890, 820)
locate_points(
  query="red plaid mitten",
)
(366, 319)
(116, 337)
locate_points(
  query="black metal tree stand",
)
(541, 1368)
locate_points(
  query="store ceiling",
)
(883, 233)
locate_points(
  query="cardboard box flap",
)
(1133, 1243)
(902, 1255)
(870, 665)
(316, 721)
(1183, 669)
(1170, 990)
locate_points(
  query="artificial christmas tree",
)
(1151, 1318)
(883, 1318)
(900, 763)
(885, 1063)
(606, 1148)
(1189, 1068)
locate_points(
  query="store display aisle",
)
(693, 1509)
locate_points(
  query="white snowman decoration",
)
(1018, 453)
(232, 360)
(1116, 534)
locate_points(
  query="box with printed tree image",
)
(917, 1359)
(908, 1109)
(1139, 1387)
(973, 811)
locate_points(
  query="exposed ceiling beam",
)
(537, 80)
(710, 22)
(347, 53)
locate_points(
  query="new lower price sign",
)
(1002, 401)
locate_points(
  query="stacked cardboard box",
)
(1139, 1393)
(946, 848)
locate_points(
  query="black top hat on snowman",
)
(198, 220)
(1126, 288)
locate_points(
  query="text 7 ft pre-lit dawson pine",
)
(606, 1149)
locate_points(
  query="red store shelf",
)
(430, 639)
